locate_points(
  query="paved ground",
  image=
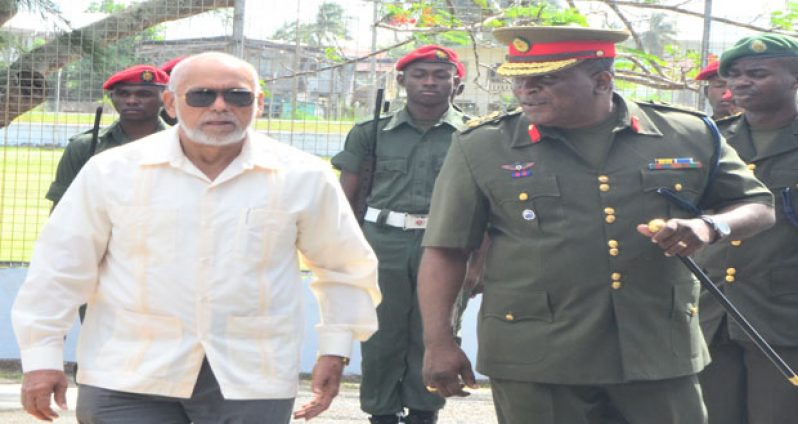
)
(475, 409)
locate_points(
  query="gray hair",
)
(179, 70)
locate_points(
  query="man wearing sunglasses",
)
(135, 93)
(409, 149)
(184, 245)
(759, 274)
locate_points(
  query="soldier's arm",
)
(350, 182)
(446, 368)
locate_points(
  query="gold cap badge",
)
(521, 45)
(147, 76)
(758, 46)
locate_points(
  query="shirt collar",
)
(631, 118)
(257, 151)
(452, 117)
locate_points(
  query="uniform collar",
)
(631, 118)
(117, 133)
(453, 117)
(739, 129)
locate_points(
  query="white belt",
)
(405, 221)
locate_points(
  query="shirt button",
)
(609, 219)
(751, 166)
(731, 271)
(604, 187)
(509, 316)
(609, 211)
(616, 285)
(616, 276)
(729, 279)
(612, 243)
(677, 187)
(736, 243)
(692, 310)
(603, 179)
(523, 197)
(614, 252)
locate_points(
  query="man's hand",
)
(681, 237)
(325, 383)
(38, 387)
(444, 366)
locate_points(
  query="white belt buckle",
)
(415, 222)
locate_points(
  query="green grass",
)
(25, 176)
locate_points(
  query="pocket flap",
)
(512, 305)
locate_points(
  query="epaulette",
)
(367, 121)
(490, 118)
(668, 106)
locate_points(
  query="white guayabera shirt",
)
(175, 267)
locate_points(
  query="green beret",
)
(761, 45)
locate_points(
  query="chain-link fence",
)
(320, 62)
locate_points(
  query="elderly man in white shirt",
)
(184, 245)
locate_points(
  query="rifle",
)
(367, 169)
(95, 130)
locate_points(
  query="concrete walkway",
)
(475, 409)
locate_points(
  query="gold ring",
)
(682, 244)
(432, 389)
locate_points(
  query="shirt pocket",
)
(515, 325)
(140, 231)
(265, 345)
(388, 174)
(527, 206)
(143, 344)
(263, 230)
(686, 337)
(684, 186)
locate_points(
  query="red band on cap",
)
(563, 50)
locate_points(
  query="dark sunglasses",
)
(204, 97)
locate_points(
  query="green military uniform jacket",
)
(78, 152)
(408, 160)
(759, 274)
(573, 293)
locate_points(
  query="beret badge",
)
(440, 54)
(758, 46)
(147, 76)
(521, 44)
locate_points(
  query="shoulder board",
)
(367, 121)
(726, 120)
(668, 106)
(490, 118)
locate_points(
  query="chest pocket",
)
(261, 231)
(673, 192)
(527, 205)
(784, 184)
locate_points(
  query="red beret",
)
(710, 71)
(432, 53)
(167, 67)
(138, 74)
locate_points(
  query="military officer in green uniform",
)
(759, 274)
(409, 152)
(136, 95)
(587, 317)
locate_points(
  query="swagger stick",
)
(750, 331)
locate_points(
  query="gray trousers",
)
(206, 405)
(673, 401)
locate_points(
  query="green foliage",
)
(786, 19)
(543, 14)
(330, 25)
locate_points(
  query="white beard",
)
(200, 137)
